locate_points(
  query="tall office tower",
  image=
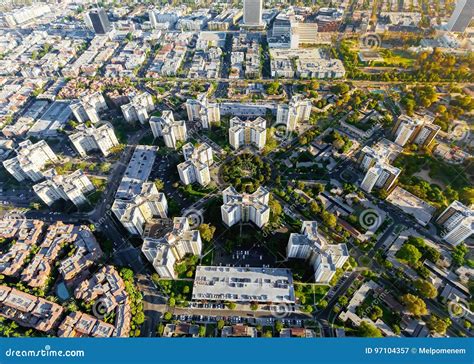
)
(249, 132)
(100, 21)
(245, 207)
(296, 111)
(458, 221)
(172, 247)
(253, 12)
(195, 168)
(462, 16)
(171, 130)
(310, 245)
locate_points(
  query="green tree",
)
(366, 329)
(343, 300)
(139, 318)
(415, 305)
(329, 219)
(231, 306)
(458, 254)
(438, 325)
(275, 207)
(409, 253)
(168, 316)
(220, 324)
(376, 313)
(314, 207)
(35, 206)
(425, 288)
(207, 232)
(322, 304)
(160, 329)
(126, 274)
(159, 184)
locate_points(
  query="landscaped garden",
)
(433, 180)
(246, 172)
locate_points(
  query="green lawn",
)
(310, 293)
(398, 58)
(456, 178)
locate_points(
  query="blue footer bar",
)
(217, 351)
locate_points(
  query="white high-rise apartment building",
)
(202, 110)
(311, 246)
(71, 187)
(171, 130)
(406, 126)
(30, 160)
(298, 110)
(195, 168)
(89, 139)
(414, 130)
(153, 18)
(138, 108)
(253, 12)
(458, 222)
(136, 200)
(381, 175)
(245, 207)
(164, 252)
(87, 108)
(248, 132)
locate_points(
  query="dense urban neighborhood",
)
(236, 168)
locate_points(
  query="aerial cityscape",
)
(244, 168)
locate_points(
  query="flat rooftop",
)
(412, 205)
(137, 172)
(242, 284)
(53, 119)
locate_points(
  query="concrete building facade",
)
(245, 207)
(311, 246)
(30, 160)
(458, 222)
(195, 168)
(163, 253)
(172, 131)
(248, 132)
